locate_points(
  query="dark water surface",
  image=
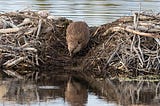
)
(66, 90)
(70, 90)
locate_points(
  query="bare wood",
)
(7, 23)
(142, 33)
(154, 29)
(9, 30)
(30, 49)
(37, 63)
(150, 16)
(30, 31)
(113, 29)
(14, 62)
(25, 22)
(13, 74)
(96, 31)
(22, 48)
(39, 27)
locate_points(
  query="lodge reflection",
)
(3, 90)
(74, 91)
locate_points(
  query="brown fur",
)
(77, 36)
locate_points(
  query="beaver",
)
(77, 36)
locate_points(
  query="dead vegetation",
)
(29, 39)
(131, 46)
(36, 40)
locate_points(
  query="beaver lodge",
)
(35, 42)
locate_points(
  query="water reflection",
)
(76, 94)
(69, 90)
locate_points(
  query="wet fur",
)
(77, 36)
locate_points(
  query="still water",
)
(94, 12)
(65, 90)
(49, 92)
(73, 90)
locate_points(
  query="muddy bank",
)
(35, 41)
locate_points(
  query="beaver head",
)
(77, 36)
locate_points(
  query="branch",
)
(13, 74)
(114, 29)
(9, 30)
(12, 48)
(14, 62)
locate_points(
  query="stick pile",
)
(27, 37)
(131, 45)
(30, 40)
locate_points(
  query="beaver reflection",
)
(76, 94)
(77, 36)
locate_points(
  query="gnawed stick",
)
(114, 29)
(25, 22)
(13, 74)
(39, 27)
(7, 23)
(14, 62)
(10, 30)
(141, 33)
(154, 29)
(96, 31)
(30, 49)
(12, 48)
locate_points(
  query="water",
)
(64, 92)
(95, 12)
(57, 90)
(72, 90)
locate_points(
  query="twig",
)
(39, 27)
(112, 29)
(36, 58)
(132, 43)
(10, 30)
(22, 48)
(134, 48)
(135, 20)
(139, 47)
(14, 62)
(9, 24)
(25, 22)
(113, 54)
(13, 74)
(96, 31)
